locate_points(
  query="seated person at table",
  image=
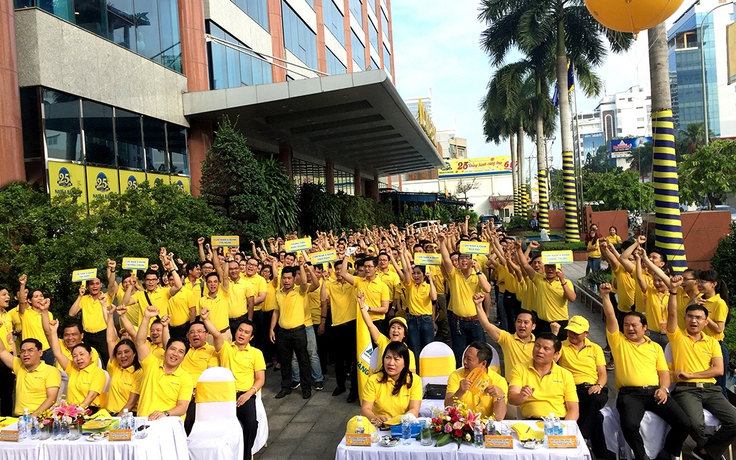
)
(393, 390)
(540, 387)
(37, 383)
(124, 368)
(167, 388)
(398, 331)
(71, 336)
(490, 401)
(86, 380)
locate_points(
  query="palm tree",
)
(578, 40)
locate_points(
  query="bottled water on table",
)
(23, 424)
(359, 428)
(65, 430)
(478, 439)
(56, 428)
(405, 432)
(34, 428)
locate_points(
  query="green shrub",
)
(723, 262)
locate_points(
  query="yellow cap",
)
(398, 319)
(367, 425)
(578, 324)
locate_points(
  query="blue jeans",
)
(421, 331)
(463, 334)
(313, 359)
(721, 380)
(594, 265)
(501, 312)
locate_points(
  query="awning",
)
(355, 120)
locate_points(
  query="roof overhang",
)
(356, 120)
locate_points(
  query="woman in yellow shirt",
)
(394, 390)
(126, 373)
(715, 300)
(612, 237)
(594, 253)
(421, 298)
(656, 299)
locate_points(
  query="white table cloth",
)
(414, 451)
(166, 440)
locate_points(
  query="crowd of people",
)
(248, 310)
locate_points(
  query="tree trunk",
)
(513, 174)
(542, 177)
(668, 227)
(568, 165)
(520, 170)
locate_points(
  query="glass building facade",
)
(231, 67)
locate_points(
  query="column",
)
(357, 183)
(285, 157)
(330, 177)
(11, 130)
(276, 27)
(321, 47)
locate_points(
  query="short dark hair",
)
(207, 262)
(150, 272)
(211, 274)
(528, 312)
(550, 336)
(183, 341)
(83, 345)
(193, 323)
(247, 322)
(485, 353)
(292, 270)
(73, 323)
(191, 266)
(696, 307)
(35, 342)
(371, 259)
(639, 315)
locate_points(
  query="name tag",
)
(562, 442)
(356, 439)
(9, 435)
(119, 435)
(498, 442)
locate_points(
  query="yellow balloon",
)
(631, 15)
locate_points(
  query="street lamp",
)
(702, 69)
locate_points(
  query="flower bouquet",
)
(456, 424)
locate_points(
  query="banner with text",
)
(476, 167)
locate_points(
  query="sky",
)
(437, 51)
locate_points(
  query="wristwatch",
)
(479, 273)
(368, 308)
(166, 413)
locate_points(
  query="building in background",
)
(104, 95)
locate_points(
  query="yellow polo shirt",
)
(596, 249)
(418, 300)
(291, 308)
(31, 327)
(68, 353)
(392, 280)
(655, 307)
(239, 290)
(30, 387)
(435, 271)
(6, 327)
(482, 403)
(197, 360)
(157, 350)
(683, 300)
(689, 355)
(551, 391)
(550, 299)
(81, 382)
(243, 363)
(159, 299)
(383, 341)
(386, 404)
(270, 303)
(613, 239)
(343, 304)
(501, 272)
(636, 365)
(510, 280)
(123, 382)
(198, 289)
(639, 300)
(93, 319)
(625, 288)
(375, 291)
(161, 391)
(133, 312)
(219, 306)
(259, 284)
(583, 363)
(179, 306)
(462, 288)
(314, 308)
(515, 350)
(717, 311)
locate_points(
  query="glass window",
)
(374, 65)
(129, 140)
(373, 33)
(61, 119)
(177, 142)
(99, 142)
(357, 9)
(91, 15)
(372, 5)
(231, 67)
(386, 59)
(154, 138)
(334, 20)
(334, 66)
(298, 37)
(344, 182)
(256, 9)
(385, 21)
(358, 51)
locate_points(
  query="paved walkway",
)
(312, 429)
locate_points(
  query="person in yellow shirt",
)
(133, 312)
(126, 374)
(249, 369)
(625, 280)
(153, 293)
(593, 246)
(613, 237)
(166, 388)
(489, 401)
(378, 295)
(421, 296)
(269, 305)
(398, 331)
(584, 359)
(393, 390)
(183, 311)
(714, 299)
(86, 380)
(7, 378)
(260, 291)
(242, 297)
(697, 361)
(37, 384)
(390, 278)
(438, 277)
(314, 317)
(541, 387)
(642, 381)
(29, 311)
(217, 300)
(656, 298)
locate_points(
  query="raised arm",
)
(51, 328)
(405, 272)
(111, 333)
(566, 286)
(611, 321)
(643, 285)
(524, 263)
(217, 339)
(22, 296)
(76, 307)
(653, 269)
(200, 245)
(493, 331)
(344, 271)
(141, 346)
(674, 283)
(372, 329)
(624, 257)
(112, 284)
(482, 281)
(446, 261)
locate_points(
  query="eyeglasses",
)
(696, 318)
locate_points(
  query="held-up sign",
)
(323, 257)
(226, 241)
(474, 247)
(557, 257)
(302, 244)
(84, 275)
(421, 258)
(135, 263)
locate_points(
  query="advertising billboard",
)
(476, 166)
(591, 142)
(620, 147)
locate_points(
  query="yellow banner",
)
(557, 257)
(474, 247)
(154, 179)
(364, 351)
(135, 263)
(323, 257)
(63, 177)
(226, 241)
(84, 275)
(131, 179)
(183, 183)
(302, 244)
(101, 182)
(421, 258)
(476, 166)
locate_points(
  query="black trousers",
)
(98, 340)
(7, 385)
(590, 420)
(190, 416)
(289, 342)
(512, 305)
(324, 343)
(260, 335)
(343, 343)
(269, 348)
(247, 417)
(179, 332)
(633, 402)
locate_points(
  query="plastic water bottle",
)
(549, 425)
(23, 424)
(359, 428)
(125, 420)
(405, 432)
(65, 430)
(56, 428)
(557, 427)
(478, 439)
(34, 429)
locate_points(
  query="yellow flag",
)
(364, 349)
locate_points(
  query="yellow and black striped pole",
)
(543, 200)
(528, 198)
(668, 226)
(572, 234)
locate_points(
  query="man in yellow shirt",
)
(642, 380)
(37, 384)
(697, 361)
(7, 379)
(489, 401)
(71, 336)
(584, 359)
(260, 290)
(377, 293)
(540, 387)
(242, 297)
(217, 300)
(183, 311)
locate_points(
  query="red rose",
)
(454, 419)
(437, 429)
(458, 433)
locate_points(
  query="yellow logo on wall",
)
(132, 182)
(65, 178)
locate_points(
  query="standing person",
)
(126, 374)
(656, 298)
(594, 252)
(37, 384)
(377, 294)
(260, 291)
(7, 378)
(491, 401)
(312, 315)
(153, 293)
(398, 331)
(183, 312)
(421, 297)
(217, 300)
(442, 319)
(269, 305)
(613, 237)
(242, 297)
(715, 300)
(642, 381)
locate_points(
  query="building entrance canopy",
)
(357, 121)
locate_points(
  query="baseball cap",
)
(398, 319)
(578, 324)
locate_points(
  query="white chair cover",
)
(495, 365)
(262, 434)
(64, 386)
(216, 434)
(436, 363)
(653, 430)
